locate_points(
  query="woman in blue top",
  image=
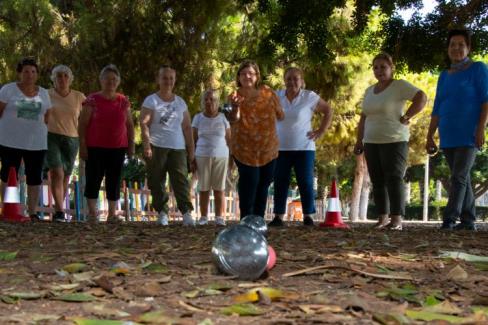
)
(460, 112)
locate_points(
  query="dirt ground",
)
(141, 273)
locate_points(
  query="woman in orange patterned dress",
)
(254, 141)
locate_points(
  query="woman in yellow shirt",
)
(62, 134)
(383, 134)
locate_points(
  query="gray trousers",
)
(173, 162)
(461, 203)
(387, 163)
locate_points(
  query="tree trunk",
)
(408, 193)
(356, 187)
(363, 203)
(438, 190)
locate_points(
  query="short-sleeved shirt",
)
(383, 112)
(457, 104)
(107, 127)
(293, 129)
(165, 130)
(211, 135)
(22, 125)
(63, 117)
(254, 140)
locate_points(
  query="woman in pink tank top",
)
(106, 134)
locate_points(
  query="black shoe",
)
(466, 226)
(448, 225)
(58, 216)
(276, 222)
(35, 218)
(307, 221)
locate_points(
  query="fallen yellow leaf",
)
(273, 294)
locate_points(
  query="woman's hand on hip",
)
(315, 134)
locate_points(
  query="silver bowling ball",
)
(255, 222)
(240, 250)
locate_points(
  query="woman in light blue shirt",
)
(460, 113)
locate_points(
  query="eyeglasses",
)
(248, 73)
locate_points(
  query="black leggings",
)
(104, 162)
(33, 161)
(387, 163)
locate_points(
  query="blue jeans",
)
(461, 202)
(253, 187)
(303, 163)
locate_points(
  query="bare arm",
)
(234, 115)
(145, 119)
(227, 137)
(2, 108)
(85, 116)
(130, 133)
(418, 104)
(430, 145)
(195, 135)
(228, 134)
(480, 129)
(187, 133)
(46, 116)
(358, 148)
(322, 108)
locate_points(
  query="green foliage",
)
(418, 43)
(134, 171)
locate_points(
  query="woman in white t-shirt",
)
(24, 108)
(383, 135)
(168, 146)
(211, 133)
(297, 144)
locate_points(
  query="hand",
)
(231, 165)
(405, 119)
(148, 152)
(430, 146)
(130, 152)
(315, 134)
(480, 138)
(235, 99)
(83, 152)
(358, 148)
(192, 163)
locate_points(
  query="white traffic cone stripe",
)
(333, 205)
(11, 195)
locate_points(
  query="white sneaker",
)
(220, 221)
(188, 219)
(203, 221)
(163, 218)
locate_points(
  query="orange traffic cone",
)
(333, 217)
(11, 201)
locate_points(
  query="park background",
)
(333, 41)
